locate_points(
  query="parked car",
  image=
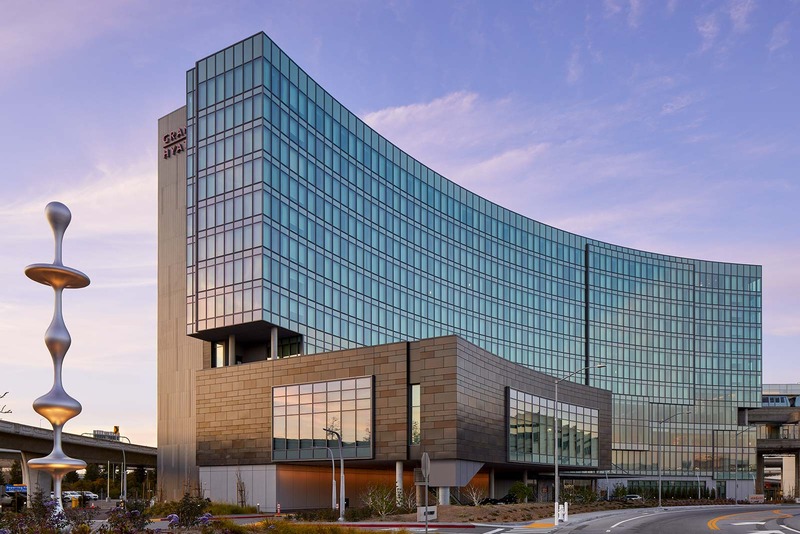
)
(89, 496)
(69, 495)
(506, 499)
(633, 497)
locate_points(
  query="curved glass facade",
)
(302, 217)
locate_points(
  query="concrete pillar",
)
(33, 478)
(796, 481)
(444, 494)
(273, 343)
(491, 484)
(398, 481)
(759, 489)
(231, 350)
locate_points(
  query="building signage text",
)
(174, 142)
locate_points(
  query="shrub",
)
(521, 491)
(225, 526)
(357, 514)
(40, 518)
(190, 512)
(126, 521)
(409, 501)
(323, 514)
(221, 508)
(80, 519)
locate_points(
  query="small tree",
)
(92, 472)
(16, 473)
(381, 499)
(475, 494)
(241, 490)
(71, 478)
(619, 491)
(409, 503)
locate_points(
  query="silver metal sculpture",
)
(56, 405)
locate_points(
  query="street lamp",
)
(660, 452)
(341, 472)
(556, 429)
(333, 479)
(123, 485)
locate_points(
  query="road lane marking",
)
(495, 531)
(789, 528)
(712, 523)
(750, 523)
(615, 525)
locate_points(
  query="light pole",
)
(123, 483)
(333, 479)
(660, 452)
(341, 472)
(556, 429)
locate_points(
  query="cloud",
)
(612, 7)
(574, 67)
(678, 104)
(739, 11)
(111, 200)
(635, 8)
(708, 28)
(635, 13)
(112, 238)
(779, 37)
(34, 33)
(574, 166)
(672, 5)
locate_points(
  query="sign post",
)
(426, 471)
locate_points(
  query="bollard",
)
(279, 508)
(258, 507)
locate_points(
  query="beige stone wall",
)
(462, 390)
(234, 404)
(462, 397)
(178, 355)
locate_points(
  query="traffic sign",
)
(426, 465)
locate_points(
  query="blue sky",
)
(669, 126)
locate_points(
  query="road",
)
(783, 519)
(766, 519)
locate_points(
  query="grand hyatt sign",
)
(174, 142)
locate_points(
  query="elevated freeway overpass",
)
(25, 442)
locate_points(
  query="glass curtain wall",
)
(303, 217)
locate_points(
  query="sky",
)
(668, 126)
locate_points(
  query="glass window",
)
(415, 437)
(305, 436)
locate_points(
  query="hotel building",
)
(312, 274)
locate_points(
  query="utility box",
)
(432, 514)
